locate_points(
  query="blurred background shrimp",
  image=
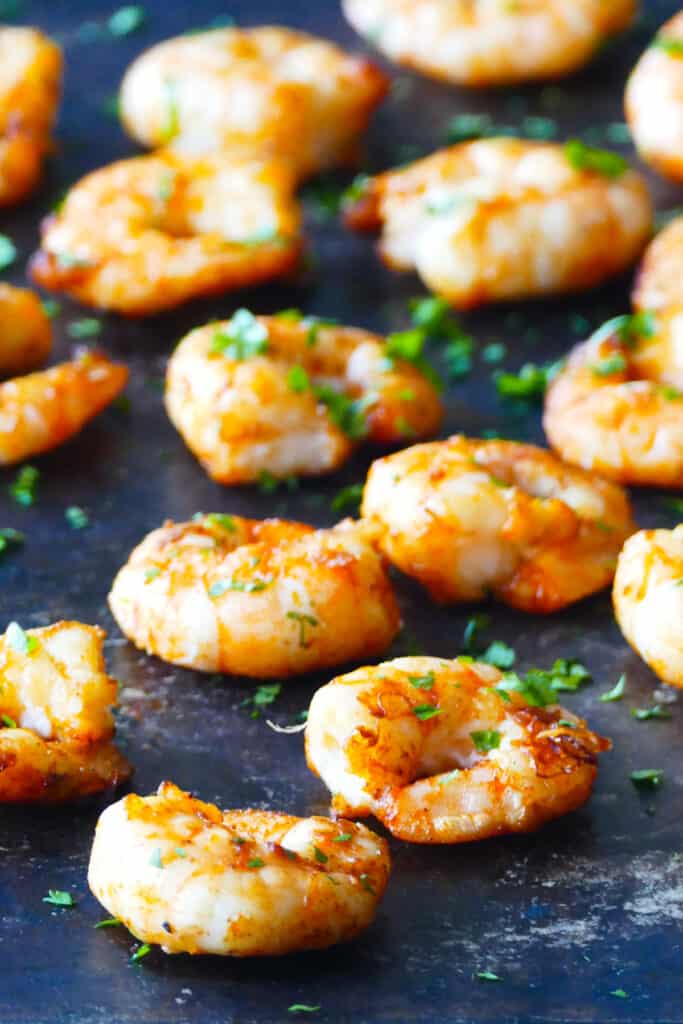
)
(25, 331)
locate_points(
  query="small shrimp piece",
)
(25, 331)
(56, 724)
(186, 876)
(147, 234)
(503, 218)
(291, 395)
(654, 101)
(30, 87)
(648, 599)
(447, 751)
(617, 406)
(659, 282)
(43, 410)
(489, 42)
(261, 599)
(267, 91)
(470, 519)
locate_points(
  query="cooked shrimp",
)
(286, 394)
(266, 91)
(448, 751)
(271, 598)
(648, 599)
(30, 85)
(489, 42)
(659, 283)
(191, 878)
(469, 518)
(654, 101)
(149, 233)
(617, 406)
(44, 409)
(504, 219)
(56, 725)
(25, 331)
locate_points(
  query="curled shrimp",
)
(470, 518)
(291, 395)
(654, 101)
(270, 598)
(44, 409)
(149, 233)
(25, 331)
(659, 282)
(489, 43)
(30, 85)
(191, 878)
(505, 218)
(56, 725)
(264, 91)
(447, 751)
(648, 599)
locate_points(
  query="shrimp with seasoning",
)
(256, 598)
(286, 395)
(471, 519)
(267, 91)
(648, 599)
(448, 751)
(25, 331)
(56, 724)
(503, 218)
(147, 234)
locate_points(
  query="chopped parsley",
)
(86, 327)
(58, 898)
(674, 47)
(221, 587)
(347, 413)
(8, 252)
(19, 640)
(426, 711)
(529, 384)
(586, 158)
(10, 538)
(539, 687)
(474, 627)
(617, 691)
(499, 654)
(485, 740)
(51, 308)
(619, 993)
(126, 20)
(23, 490)
(356, 190)
(298, 379)
(344, 837)
(425, 682)
(487, 976)
(262, 697)
(303, 620)
(255, 862)
(244, 337)
(221, 519)
(8, 722)
(108, 922)
(348, 497)
(76, 517)
(321, 857)
(302, 1008)
(464, 127)
(645, 714)
(141, 952)
(151, 574)
(647, 778)
(366, 883)
(616, 363)
(172, 114)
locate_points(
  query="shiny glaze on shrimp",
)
(470, 518)
(270, 598)
(489, 42)
(267, 91)
(190, 878)
(504, 219)
(147, 234)
(439, 755)
(245, 412)
(56, 725)
(25, 331)
(648, 599)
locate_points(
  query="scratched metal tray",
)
(567, 917)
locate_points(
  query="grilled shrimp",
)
(191, 878)
(30, 85)
(659, 282)
(648, 599)
(270, 598)
(25, 331)
(447, 751)
(56, 725)
(470, 518)
(286, 394)
(505, 219)
(146, 234)
(266, 91)
(44, 409)
(617, 406)
(489, 42)
(654, 101)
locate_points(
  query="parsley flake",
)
(302, 1008)
(255, 862)
(303, 620)
(674, 47)
(76, 517)
(348, 497)
(10, 538)
(425, 682)
(86, 327)
(108, 922)
(586, 158)
(617, 691)
(58, 898)
(485, 740)
(141, 952)
(8, 252)
(645, 714)
(23, 490)
(8, 722)
(647, 778)
(262, 697)
(243, 337)
(19, 640)
(426, 711)
(487, 976)
(126, 20)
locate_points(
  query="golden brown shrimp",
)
(287, 394)
(267, 91)
(42, 410)
(56, 725)
(271, 598)
(25, 331)
(470, 518)
(448, 751)
(146, 234)
(30, 85)
(505, 218)
(648, 599)
(659, 283)
(186, 876)
(489, 42)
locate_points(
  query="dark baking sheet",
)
(592, 904)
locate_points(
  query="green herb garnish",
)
(586, 158)
(617, 691)
(243, 337)
(348, 497)
(126, 20)
(76, 517)
(23, 490)
(58, 898)
(647, 778)
(426, 711)
(485, 740)
(645, 714)
(19, 640)
(10, 538)
(8, 252)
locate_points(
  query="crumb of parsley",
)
(76, 517)
(243, 337)
(303, 1008)
(617, 691)
(487, 976)
(126, 20)
(647, 778)
(140, 953)
(8, 252)
(587, 158)
(426, 711)
(86, 327)
(645, 714)
(485, 740)
(348, 497)
(59, 898)
(262, 697)
(10, 538)
(108, 922)
(19, 640)
(24, 487)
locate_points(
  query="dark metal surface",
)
(591, 905)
